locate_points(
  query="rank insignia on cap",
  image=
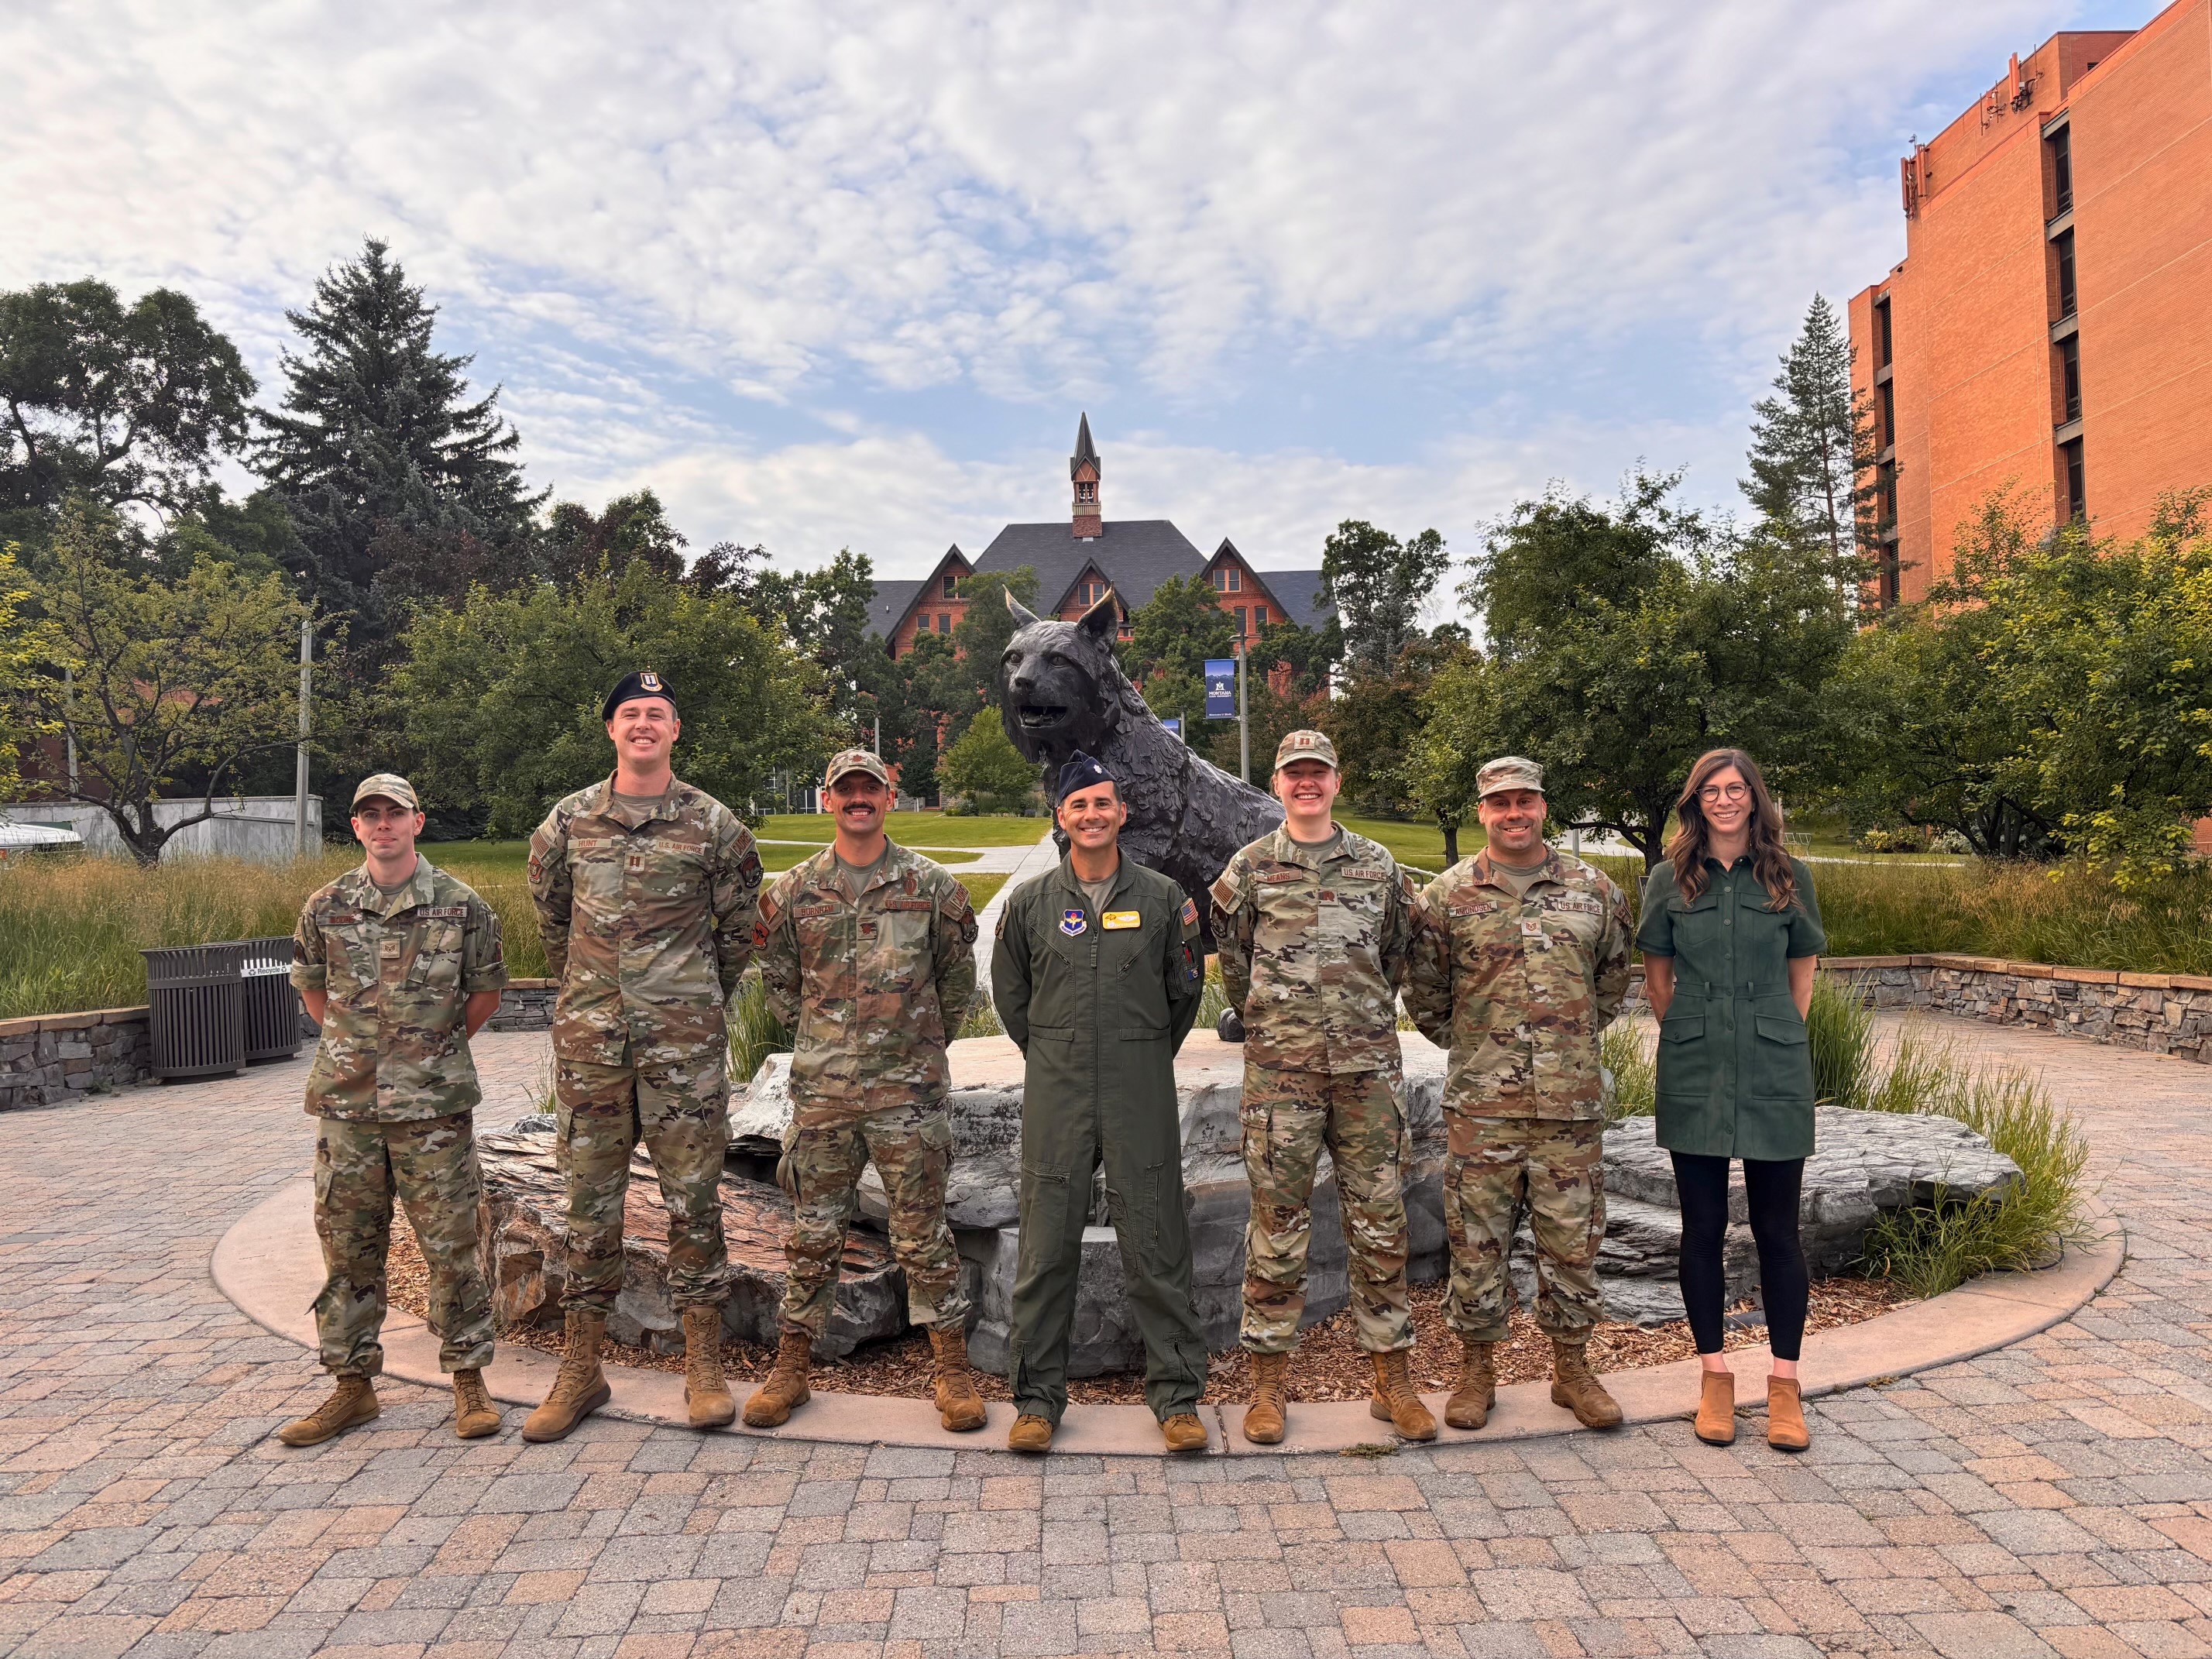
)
(1072, 922)
(649, 681)
(1189, 912)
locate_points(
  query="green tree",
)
(499, 700)
(124, 404)
(825, 612)
(979, 638)
(1378, 719)
(1460, 731)
(1310, 654)
(1379, 585)
(1812, 443)
(171, 682)
(985, 767)
(379, 430)
(1625, 641)
(1177, 629)
(26, 649)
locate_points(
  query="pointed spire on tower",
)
(1082, 468)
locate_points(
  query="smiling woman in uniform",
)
(1731, 936)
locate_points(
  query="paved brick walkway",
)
(2055, 1498)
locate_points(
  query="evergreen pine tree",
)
(378, 434)
(1812, 445)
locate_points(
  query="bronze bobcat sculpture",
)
(1061, 689)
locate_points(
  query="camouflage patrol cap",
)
(391, 787)
(856, 760)
(1304, 746)
(1509, 772)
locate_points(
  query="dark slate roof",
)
(1084, 450)
(1299, 594)
(1135, 555)
(890, 605)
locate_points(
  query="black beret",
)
(1081, 773)
(643, 683)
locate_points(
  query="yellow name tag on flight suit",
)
(1114, 919)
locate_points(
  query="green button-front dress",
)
(1735, 1074)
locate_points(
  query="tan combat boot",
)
(706, 1390)
(352, 1401)
(1394, 1401)
(1476, 1392)
(581, 1390)
(1031, 1433)
(784, 1390)
(959, 1407)
(1575, 1386)
(1785, 1415)
(1184, 1433)
(474, 1415)
(1266, 1417)
(1716, 1424)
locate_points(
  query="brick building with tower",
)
(2050, 324)
(1080, 559)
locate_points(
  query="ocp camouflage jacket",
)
(647, 919)
(398, 973)
(872, 985)
(1518, 989)
(1314, 944)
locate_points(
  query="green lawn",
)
(929, 830)
(507, 858)
(1421, 845)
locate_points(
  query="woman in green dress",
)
(1731, 935)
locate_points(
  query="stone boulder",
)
(524, 1235)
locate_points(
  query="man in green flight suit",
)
(1097, 974)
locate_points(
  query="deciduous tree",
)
(1379, 585)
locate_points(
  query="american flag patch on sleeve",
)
(1189, 913)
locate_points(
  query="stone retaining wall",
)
(50, 1058)
(527, 1005)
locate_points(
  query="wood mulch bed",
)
(1329, 1365)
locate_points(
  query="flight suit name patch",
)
(1112, 920)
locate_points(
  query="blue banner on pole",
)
(1221, 687)
(1173, 723)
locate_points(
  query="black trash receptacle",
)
(197, 1002)
(273, 1013)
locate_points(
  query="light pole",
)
(306, 725)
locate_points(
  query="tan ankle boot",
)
(1575, 1386)
(706, 1390)
(959, 1407)
(1184, 1434)
(474, 1415)
(1269, 1411)
(1031, 1433)
(1395, 1401)
(352, 1401)
(581, 1390)
(1785, 1415)
(784, 1390)
(1717, 1408)
(1477, 1390)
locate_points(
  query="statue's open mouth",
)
(1037, 716)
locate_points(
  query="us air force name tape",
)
(643, 683)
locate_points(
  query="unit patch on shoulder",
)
(1072, 922)
(1115, 920)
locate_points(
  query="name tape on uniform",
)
(1114, 919)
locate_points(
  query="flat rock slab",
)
(525, 1231)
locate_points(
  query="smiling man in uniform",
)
(1097, 974)
(645, 889)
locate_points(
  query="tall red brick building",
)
(2050, 323)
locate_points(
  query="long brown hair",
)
(1688, 847)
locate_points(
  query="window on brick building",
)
(2077, 486)
(1884, 405)
(1086, 491)
(1088, 593)
(2063, 245)
(2060, 148)
(1240, 621)
(1259, 616)
(1887, 581)
(1884, 346)
(2070, 378)
(951, 586)
(1227, 579)
(944, 622)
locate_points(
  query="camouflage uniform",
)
(872, 985)
(393, 1085)
(647, 912)
(1518, 989)
(1313, 942)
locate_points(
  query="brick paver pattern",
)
(2054, 1498)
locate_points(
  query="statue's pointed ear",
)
(1022, 614)
(1103, 619)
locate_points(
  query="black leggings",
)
(1703, 1184)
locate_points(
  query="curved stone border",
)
(270, 1266)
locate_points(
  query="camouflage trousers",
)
(822, 1157)
(430, 1166)
(680, 1110)
(1288, 1117)
(1551, 1169)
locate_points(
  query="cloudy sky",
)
(832, 274)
